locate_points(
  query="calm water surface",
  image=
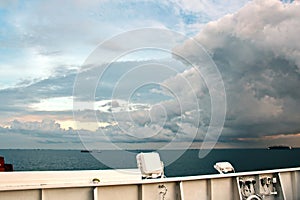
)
(187, 164)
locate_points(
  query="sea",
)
(177, 162)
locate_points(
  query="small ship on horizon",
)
(280, 147)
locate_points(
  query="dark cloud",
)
(256, 53)
(17, 100)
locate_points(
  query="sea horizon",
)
(177, 162)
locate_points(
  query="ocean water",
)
(175, 165)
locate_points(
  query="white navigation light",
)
(150, 165)
(224, 167)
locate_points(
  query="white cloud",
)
(274, 28)
(73, 28)
(44, 125)
(53, 104)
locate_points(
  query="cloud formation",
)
(43, 35)
(255, 50)
(257, 54)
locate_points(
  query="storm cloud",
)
(257, 53)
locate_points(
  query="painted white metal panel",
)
(197, 189)
(67, 194)
(160, 191)
(222, 188)
(290, 184)
(20, 195)
(123, 192)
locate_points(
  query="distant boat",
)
(85, 151)
(279, 147)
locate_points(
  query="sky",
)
(149, 74)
